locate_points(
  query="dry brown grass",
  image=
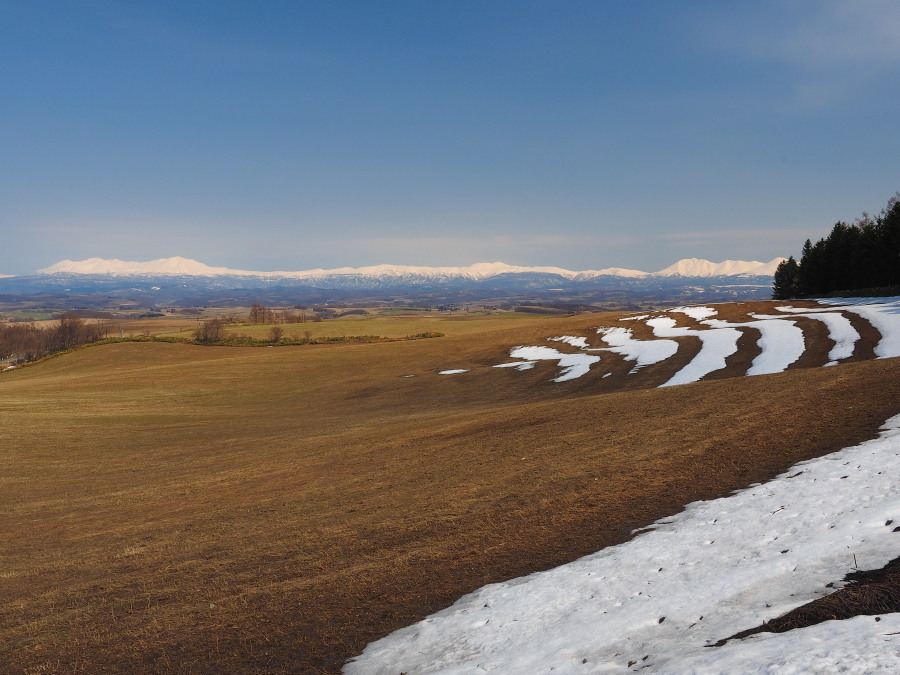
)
(174, 508)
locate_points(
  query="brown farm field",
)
(188, 509)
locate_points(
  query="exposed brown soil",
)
(169, 508)
(869, 593)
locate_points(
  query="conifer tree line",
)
(863, 255)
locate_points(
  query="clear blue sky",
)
(291, 135)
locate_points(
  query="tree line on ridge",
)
(864, 255)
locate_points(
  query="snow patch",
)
(840, 331)
(642, 352)
(781, 342)
(717, 344)
(572, 340)
(573, 365)
(882, 313)
(698, 313)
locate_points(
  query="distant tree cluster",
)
(22, 342)
(864, 255)
(262, 314)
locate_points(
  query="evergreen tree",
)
(859, 256)
(787, 277)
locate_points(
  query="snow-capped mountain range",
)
(177, 266)
(184, 282)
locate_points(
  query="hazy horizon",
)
(300, 135)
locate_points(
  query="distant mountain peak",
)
(696, 267)
(178, 266)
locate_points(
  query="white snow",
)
(573, 365)
(659, 601)
(781, 342)
(643, 352)
(572, 340)
(863, 644)
(840, 330)
(696, 267)
(454, 371)
(882, 313)
(518, 365)
(717, 345)
(185, 266)
(698, 313)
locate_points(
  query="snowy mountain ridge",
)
(178, 266)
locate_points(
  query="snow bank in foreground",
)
(858, 645)
(718, 568)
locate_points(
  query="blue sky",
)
(292, 135)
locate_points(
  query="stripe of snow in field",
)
(572, 340)
(658, 601)
(518, 365)
(884, 315)
(643, 352)
(840, 331)
(622, 342)
(454, 371)
(698, 313)
(780, 340)
(717, 344)
(573, 365)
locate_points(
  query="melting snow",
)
(717, 345)
(780, 340)
(643, 352)
(454, 371)
(573, 365)
(840, 330)
(884, 314)
(572, 340)
(660, 600)
(518, 365)
(698, 313)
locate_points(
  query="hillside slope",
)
(177, 508)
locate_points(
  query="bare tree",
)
(69, 332)
(209, 331)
